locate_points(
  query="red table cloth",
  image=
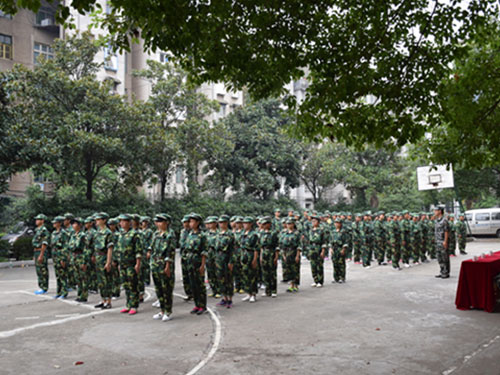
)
(475, 285)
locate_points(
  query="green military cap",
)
(359, 215)
(113, 221)
(277, 210)
(89, 219)
(290, 221)
(404, 212)
(124, 217)
(211, 219)
(224, 218)
(239, 219)
(40, 217)
(265, 220)
(233, 219)
(68, 216)
(195, 216)
(135, 217)
(58, 219)
(162, 217)
(315, 216)
(327, 212)
(338, 220)
(185, 219)
(248, 219)
(101, 215)
(145, 218)
(461, 214)
(290, 209)
(77, 220)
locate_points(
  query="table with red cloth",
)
(475, 285)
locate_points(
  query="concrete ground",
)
(380, 322)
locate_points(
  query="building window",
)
(110, 59)
(44, 50)
(45, 17)
(5, 47)
(222, 109)
(5, 15)
(163, 57)
(178, 175)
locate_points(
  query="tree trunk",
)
(89, 177)
(163, 182)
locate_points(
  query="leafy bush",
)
(23, 249)
(5, 248)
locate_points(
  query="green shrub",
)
(5, 248)
(23, 249)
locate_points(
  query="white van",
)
(484, 221)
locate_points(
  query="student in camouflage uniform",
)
(224, 261)
(40, 244)
(357, 239)
(249, 248)
(103, 250)
(318, 240)
(162, 252)
(442, 233)
(347, 225)
(424, 227)
(184, 263)
(405, 238)
(211, 234)
(290, 245)
(89, 243)
(276, 224)
(147, 238)
(380, 237)
(237, 269)
(196, 257)
(461, 231)
(388, 246)
(393, 234)
(268, 245)
(59, 245)
(415, 239)
(366, 233)
(81, 255)
(130, 248)
(431, 239)
(136, 226)
(338, 247)
(115, 267)
(452, 241)
(72, 271)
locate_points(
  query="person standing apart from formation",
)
(442, 233)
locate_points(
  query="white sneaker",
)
(158, 316)
(314, 284)
(246, 298)
(114, 298)
(263, 294)
(166, 318)
(274, 295)
(262, 286)
(366, 267)
(407, 265)
(156, 304)
(252, 299)
(319, 286)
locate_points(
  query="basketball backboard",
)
(433, 177)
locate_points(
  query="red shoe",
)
(132, 312)
(125, 310)
(195, 310)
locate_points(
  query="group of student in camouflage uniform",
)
(237, 254)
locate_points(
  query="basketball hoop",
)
(434, 177)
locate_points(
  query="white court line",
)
(27, 318)
(69, 302)
(5, 334)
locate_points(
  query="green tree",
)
(263, 157)
(89, 126)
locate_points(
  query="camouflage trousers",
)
(248, 273)
(42, 271)
(388, 251)
(164, 285)
(82, 277)
(197, 282)
(146, 271)
(185, 278)
(224, 275)
(317, 264)
(452, 245)
(115, 277)
(396, 254)
(130, 281)
(141, 285)
(339, 265)
(357, 251)
(461, 245)
(380, 250)
(293, 266)
(406, 250)
(432, 249)
(269, 271)
(92, 276)
(104, 278)
(61, 274)
(443, 258)
(72, 273)
(238, 282)
(367, 254)
(212, 272)
(285, 269)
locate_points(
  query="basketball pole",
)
(462, 208)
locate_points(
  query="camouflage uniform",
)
(162, 250)
(91, 267)
(431, 238)
(237, 273)
(196, 249)
(356, 240)
(366, 234)
(443, 257)
(80, 254)
(380, 240)
(347, 225)
(405, 240)
(339, 244)
(184, 263)
(40, 238)
(290, 244)
(415, 241)
(268, 244)
(224, 256)
(115, 267)
(424, 227)
(248, 246)
(59, 245)
(211, 266)
(452, 240)
(318, 240)
(130, 248)
(147, 238)
(461, 230)
(394, 236)
(103, 240)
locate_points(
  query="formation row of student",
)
(237, 254)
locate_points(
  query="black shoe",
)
(77, 299)
(445, 277)
(141, 300)
(201, 311)
(83, 301)
(106, 306)
(438, 276)
(463, 252)
(99, 306)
